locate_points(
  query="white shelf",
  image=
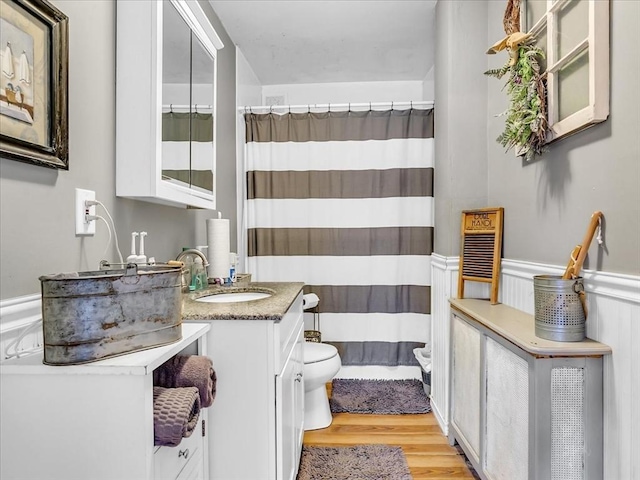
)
(137, 363)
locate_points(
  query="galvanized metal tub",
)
(559, 313)
(88, 316)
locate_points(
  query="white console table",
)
(523, 407)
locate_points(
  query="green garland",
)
(526, 122)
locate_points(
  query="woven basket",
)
(312, 336)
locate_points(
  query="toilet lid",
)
(318, 352)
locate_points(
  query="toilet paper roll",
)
(310, 300)
(218, 243)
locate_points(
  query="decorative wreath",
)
(526, 117)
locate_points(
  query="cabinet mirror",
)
(165, 133)
(188, 85)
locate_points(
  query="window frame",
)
(597, 45)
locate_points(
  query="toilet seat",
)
(318, 352)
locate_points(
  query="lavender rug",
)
(382, 397)
(360, 462)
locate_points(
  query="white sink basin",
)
(233, 297)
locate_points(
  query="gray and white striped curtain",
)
(343, 201)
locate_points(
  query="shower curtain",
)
(343, 201)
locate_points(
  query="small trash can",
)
(423, 355)
(560, 310)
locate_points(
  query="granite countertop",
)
(272, 308)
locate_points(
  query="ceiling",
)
(320, 41)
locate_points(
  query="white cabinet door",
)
(465, 400)
(298, 398)
(507, 410)
(286, 383)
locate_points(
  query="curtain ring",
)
(196, 108)
(270, 108)
(391, 105)
(329, 108)
(411, 104)
(370, 107)
(171, 108)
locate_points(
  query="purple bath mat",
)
(381, 397)
(359, 462)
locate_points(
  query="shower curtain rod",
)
(175, 106)
(337, 106)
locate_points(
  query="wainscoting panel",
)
(444, 285)
(17, 315)
(441, 291)
(614, 319)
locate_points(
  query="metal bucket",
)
(559, 312)
(88, 316)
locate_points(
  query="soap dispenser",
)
(142, 258)
(133, 258)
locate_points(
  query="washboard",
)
(481, 248)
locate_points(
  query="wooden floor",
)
(427, 451)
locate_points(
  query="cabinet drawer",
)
(171, 463)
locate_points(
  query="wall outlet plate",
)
(84, 227)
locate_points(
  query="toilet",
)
(321, 364)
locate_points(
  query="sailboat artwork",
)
(16, 89)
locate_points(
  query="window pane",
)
(541, 43)
(535, 10)
(573, 86)
(572, 26)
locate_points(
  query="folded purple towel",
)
(188, 371)
(175, 414)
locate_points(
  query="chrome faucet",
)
(194, 251)
(194, 277)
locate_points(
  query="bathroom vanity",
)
(256, 346)
(95, 421)
(523, 407)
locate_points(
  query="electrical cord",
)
(98, 217)
(115, 233)
(15, 343)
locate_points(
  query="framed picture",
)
(34, 57)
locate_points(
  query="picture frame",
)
(34, 61)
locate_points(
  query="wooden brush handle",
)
(584, 246)
(572, 261)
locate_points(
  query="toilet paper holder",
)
(311, 303)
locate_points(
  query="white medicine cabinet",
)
(166, 103)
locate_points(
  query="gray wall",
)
(37, 230)
(548, 202)
(461, 112)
